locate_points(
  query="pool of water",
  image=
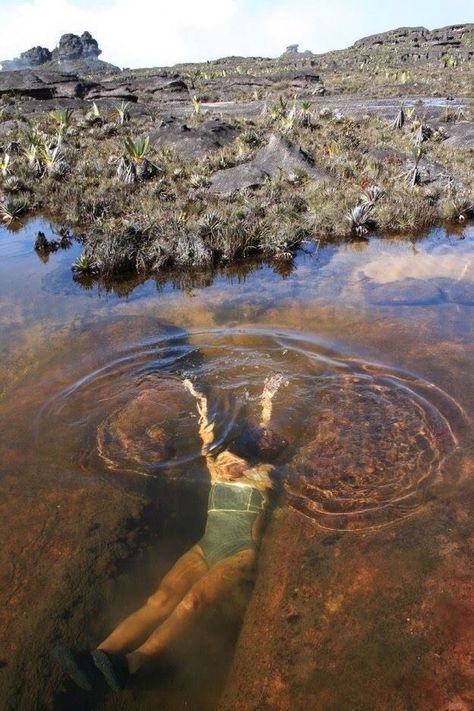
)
(373, 343)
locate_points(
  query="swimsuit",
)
(232, 510)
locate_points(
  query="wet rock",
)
(407, 292)
(461, 135)
(279, 155)
(192, 143)
(139, 434)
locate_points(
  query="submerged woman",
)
(209, 571)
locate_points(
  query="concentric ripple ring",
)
(367, 442)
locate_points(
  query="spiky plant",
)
(196, 104)
(371, 195)
(137, 148)
(11, 209)
(84, 265)
(126, 170)
(250, 138)
(31, 154)
(399, 120)
(5, 165)
(279, 110)
(62, 117)
(412, 176)
(209, 224)
(12, 184)
(304, 115)
(360, 218)
(123, 112)
(94, 117)
(51, 159)
(288, 122)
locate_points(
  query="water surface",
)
(374, 343)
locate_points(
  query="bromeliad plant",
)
(123, 112)
(11, 209)
(5, 165)
(134, 165)
(62, 117)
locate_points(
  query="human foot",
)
(113, 667)
(79, 666)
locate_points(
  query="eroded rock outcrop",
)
(419, 43)
(42, 85)
(80, 50)
(279, 155)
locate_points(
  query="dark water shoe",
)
(79, 666)
(114, 668)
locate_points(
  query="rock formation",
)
(36, 56)
(419, 43)
(279, 156)
(73, 52)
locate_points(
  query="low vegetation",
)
(140, 209)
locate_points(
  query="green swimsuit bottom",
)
(232, 510)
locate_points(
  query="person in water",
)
(209, 571)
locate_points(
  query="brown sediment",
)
(338, 619)
(140, 431)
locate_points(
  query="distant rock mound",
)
(292, 51)
(419, 43)
(73, 53)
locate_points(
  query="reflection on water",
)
(373, 341)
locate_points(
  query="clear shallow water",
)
(374, 342)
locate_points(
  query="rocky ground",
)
(199, 166)
(149, 187)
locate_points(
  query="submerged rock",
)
(142, 432)
(407, 292)
(279, 154)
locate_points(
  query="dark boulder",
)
(35, 56)
(90, 46)
(69, 47)
(192, 143)
(279, 155)
(461, 135)
(42, 85)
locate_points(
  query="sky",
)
(144, 33)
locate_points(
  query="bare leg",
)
(221, 581)
(134, 629)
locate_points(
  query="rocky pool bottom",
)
(364, 592)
